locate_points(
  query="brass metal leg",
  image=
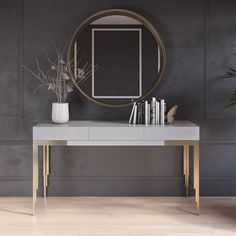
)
(44, 171)
(35, 174)
(186, 167)
(196, 175)
(45, 168)
(47, 164)
(187, 170)
(184, 164)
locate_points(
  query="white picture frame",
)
(140, 63)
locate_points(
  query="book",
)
(146, 112)
(132, 113)
(165, 115)
(149, 111)
(135, 114)
(157, 113)
(153, 111)
(143, 112)
(139, 113)
(162, 115)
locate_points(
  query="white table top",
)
(114, 132)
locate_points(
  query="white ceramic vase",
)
(60, 112)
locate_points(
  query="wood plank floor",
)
(117, 216)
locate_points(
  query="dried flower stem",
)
(57, 78)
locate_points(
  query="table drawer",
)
(171, 133)
(60, 133)
(117, 133)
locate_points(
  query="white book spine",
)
(135, 114)
(146, 112)
(132, 113)
(165, 113)
(153, 111)
(162, 111)
(149, 113)
(157, 113)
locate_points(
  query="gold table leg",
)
(184, 164)
(46, 166)
(45, 169)
(185, 144)
(196, 174)
(186, 167)
(35, 175)
(44, 172)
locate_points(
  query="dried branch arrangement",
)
(57, 77)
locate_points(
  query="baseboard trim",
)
(117, 186)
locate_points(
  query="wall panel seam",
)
(205, 51)
(20, 55)
(115, 179)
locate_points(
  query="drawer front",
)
(171, 133)
(60, 133)
(116, 133)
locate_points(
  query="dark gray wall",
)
(199, 36)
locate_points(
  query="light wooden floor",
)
(122, 216)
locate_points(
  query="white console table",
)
(98, 133)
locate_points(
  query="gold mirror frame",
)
(133, 15)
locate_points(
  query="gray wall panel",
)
(15, 160)
(113, 161)
(199, 36)
(9, 82)
(221, 47)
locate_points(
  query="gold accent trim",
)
(122, 12)
(186, 167)
(180, 142)
(35, 175)
(44, 171)
(196, 175)
(47, 163)
(51, 142)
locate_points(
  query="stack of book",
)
(149, 112)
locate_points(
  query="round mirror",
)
(122, 55)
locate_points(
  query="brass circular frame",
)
(127, 13)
